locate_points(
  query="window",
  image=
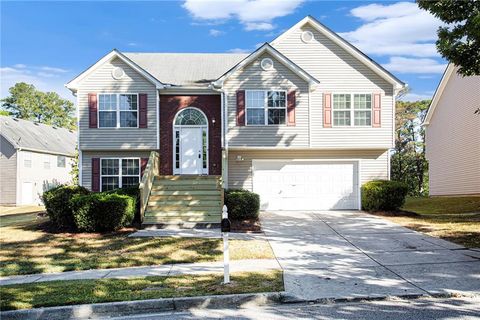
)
(362, 104)
(119, 173)
(341, 109)
(177, 149)
(190, 117)
(27, 159)
(343, 112)
(118, 110)
(61, 161)
(266, 107)
(46, 162)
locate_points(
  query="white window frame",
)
(117, 109)
(27, 156)
(46, 159)
(266, 108)
(64, 161)
(352, 110)
(120, 175)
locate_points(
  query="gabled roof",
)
(73, 84)
(347, 46)
(32, 136)
(438, 92)
(267, 48)
(186, 69)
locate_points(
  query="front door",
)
(191, 155)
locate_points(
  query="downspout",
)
(224, 129)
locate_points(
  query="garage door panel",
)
(306, 185)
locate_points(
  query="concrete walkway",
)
(341, 254)
(214, 233)
(159, 270)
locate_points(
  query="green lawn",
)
(58, 293)
(25, 248)
(443, 205)
(455, 219)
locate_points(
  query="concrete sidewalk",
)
(158, 270)
(214, 233)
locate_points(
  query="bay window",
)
(346, 113)
(119, 173)
(266, 107)
(118, 110)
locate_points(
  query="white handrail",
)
(146, 184)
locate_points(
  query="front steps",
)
(184, 202)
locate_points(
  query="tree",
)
(408, 162)
(459, 40)
(26, 102)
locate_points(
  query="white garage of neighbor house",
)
(33, 158)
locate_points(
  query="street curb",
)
(128, 308)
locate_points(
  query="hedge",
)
(134, 192)
(242, 204)
(383, 195)
(58, 206)
(99, 212)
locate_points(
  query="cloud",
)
(252, 14)
(38, 76)
(262, 26)
(414, 65)
(132, 44)
(396, 29)
(239, 50)
(216, 32)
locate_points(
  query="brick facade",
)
(210, 105)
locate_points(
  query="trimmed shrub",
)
(383, 195)
(58, 206)
(134, 192)
(99, 212)
(242, 204)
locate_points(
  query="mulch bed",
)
(246, 226)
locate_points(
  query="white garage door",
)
(306, 185)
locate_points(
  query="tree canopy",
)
(408, 163)
(459, 40)
(26, 102)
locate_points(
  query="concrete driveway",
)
(350, 254)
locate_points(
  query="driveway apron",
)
(351, 254)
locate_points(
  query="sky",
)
(49, 43)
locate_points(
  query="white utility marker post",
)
(226, 253)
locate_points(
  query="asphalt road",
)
(419, 309)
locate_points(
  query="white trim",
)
(118, 109)
(309, 119)
(438, 93)
(74, 84)
(266, 60)
(277, 55)
(235, 148)
(388, 163)
(80, 167)
(120, 175)
(346, 46)
(266, 108)
(352, 110)
(178, 128)
(357, 160)
(157, 120)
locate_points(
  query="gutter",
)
(46, 151)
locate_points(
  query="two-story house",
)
(303, 121)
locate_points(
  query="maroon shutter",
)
(291, 100)
(327, 110)
(376, 122)
(95, 174)
(143, 165)
(142, 110)
(92, 110)
(240, 107)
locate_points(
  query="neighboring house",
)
(304, 120)
(452, 136)
(33, 158)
